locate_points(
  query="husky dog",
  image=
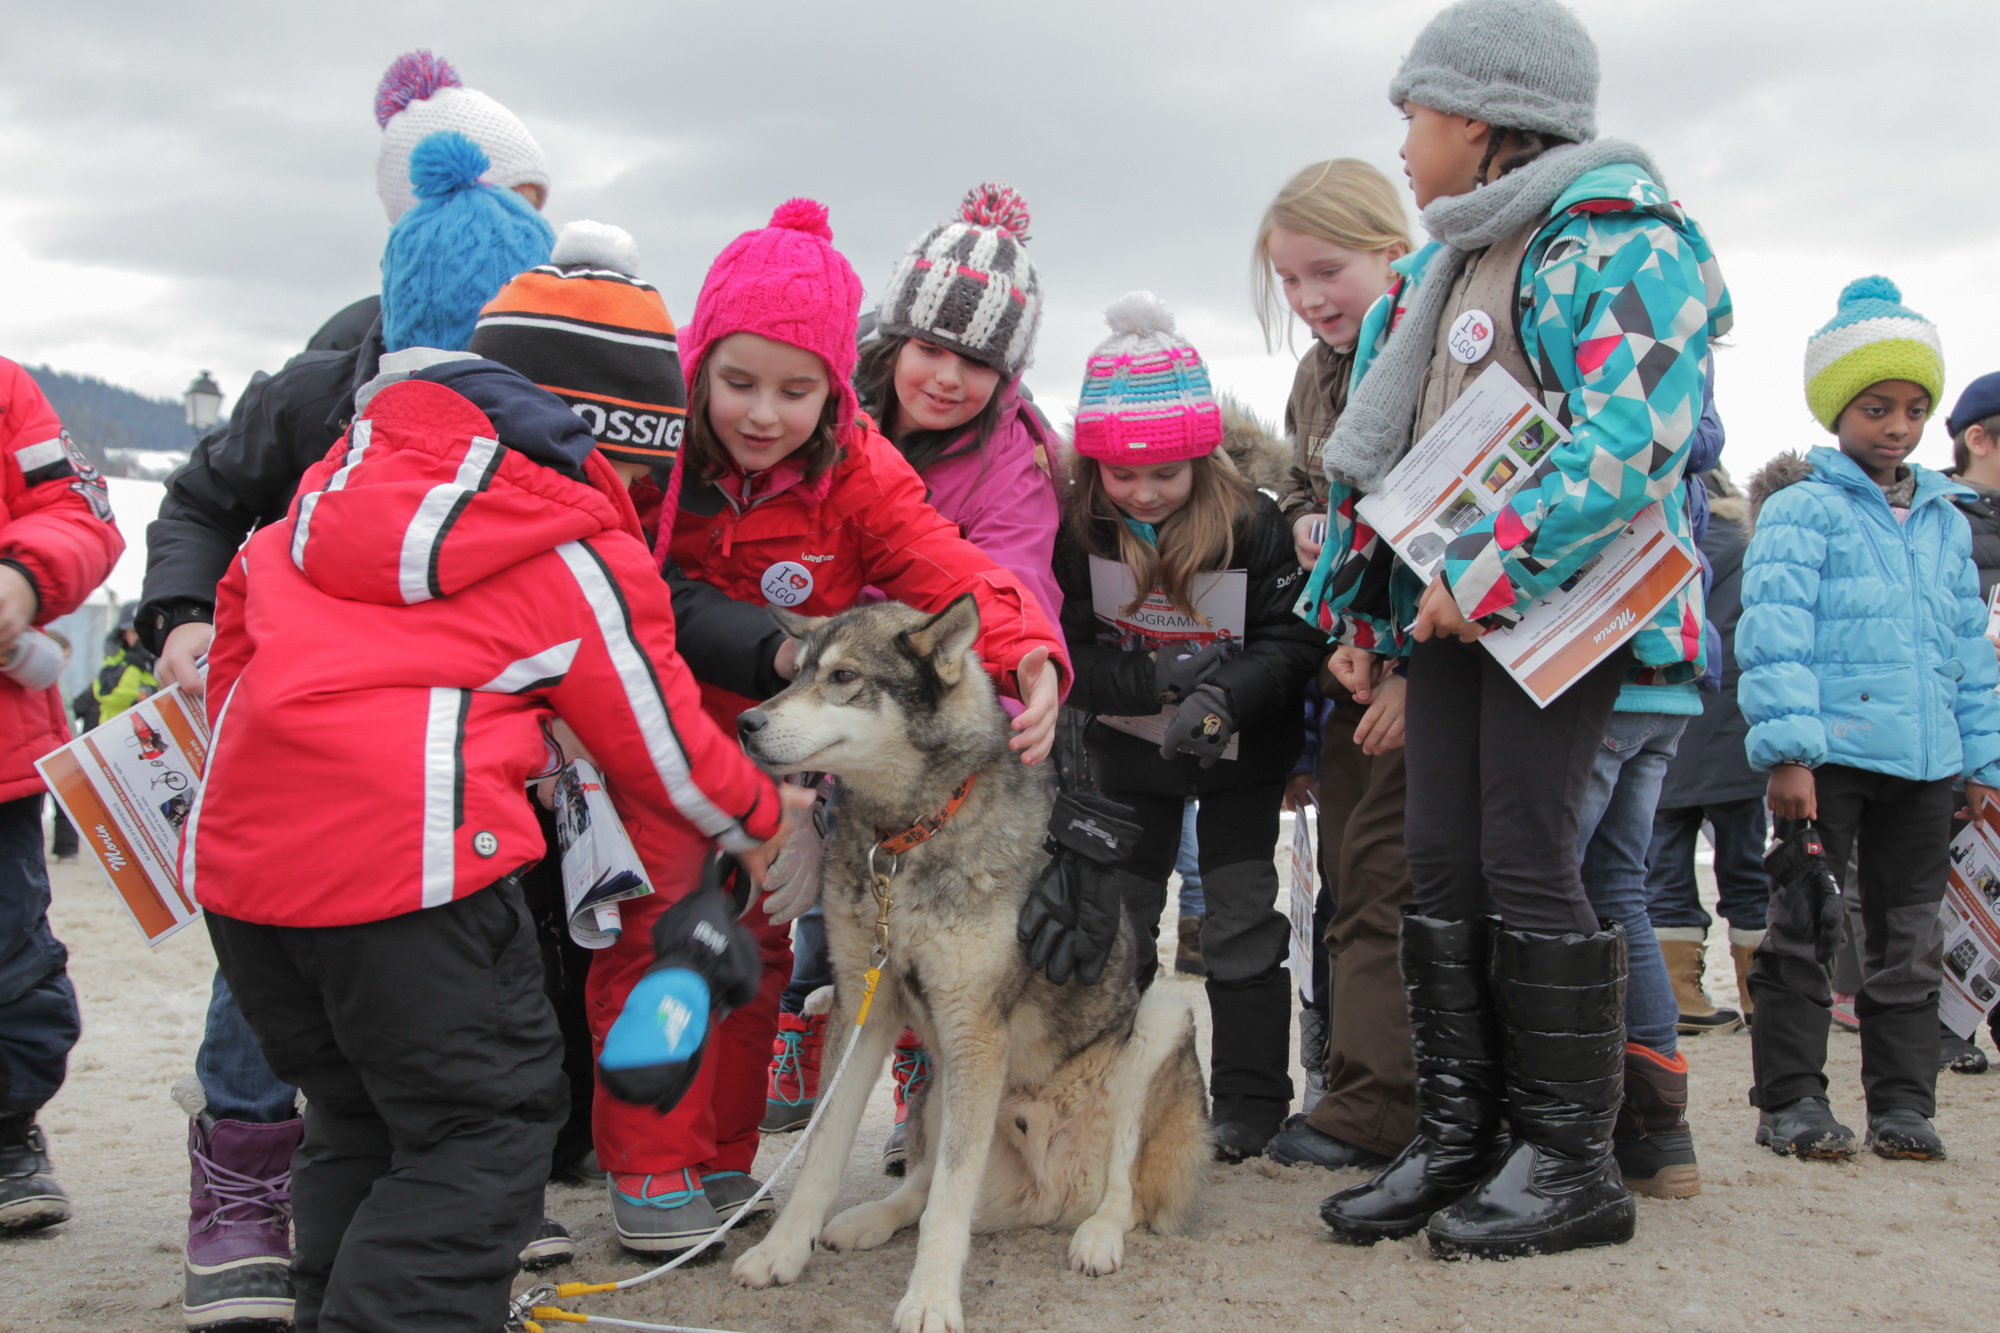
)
(1073, 1106)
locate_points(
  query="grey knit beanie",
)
(1516, 64)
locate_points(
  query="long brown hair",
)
(705, 459)
(1198, 538)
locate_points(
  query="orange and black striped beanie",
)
(586, 329)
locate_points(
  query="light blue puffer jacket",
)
(1862, 640)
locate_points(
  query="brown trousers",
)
(1371, 1098)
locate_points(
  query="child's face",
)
(1441, 152)
(937, 389)
(1152, 494)
(1881, 427)
(1328, 286)
(764, 398)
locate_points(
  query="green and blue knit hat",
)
(1875, 337)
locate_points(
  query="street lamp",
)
(203, 402)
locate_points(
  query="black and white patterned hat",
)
(969, 285)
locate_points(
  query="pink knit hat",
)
(787, 283)
(1146, 397)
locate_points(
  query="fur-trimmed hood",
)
(1253, 446)
(1785, 470)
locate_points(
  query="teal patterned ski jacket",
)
(1620, 298)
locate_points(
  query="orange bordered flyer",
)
(128, 786)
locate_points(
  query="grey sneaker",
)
(661, 1214)
(729, 1191)
(550, 1245)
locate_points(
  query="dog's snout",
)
(752, 722)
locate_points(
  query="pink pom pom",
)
(411, 78)
(806, 215)
(991, 205)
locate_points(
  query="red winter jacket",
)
(56, 528)
(386, 658)
(866, 522)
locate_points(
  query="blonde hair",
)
(1197, 538)
(1343, 201)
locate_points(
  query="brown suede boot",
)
(1682, 949)
(1742, 946)
(1654, 1147)
(1187, 955)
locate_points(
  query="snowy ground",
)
(1770, 1244)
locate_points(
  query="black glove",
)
(1070, 921)
(1804, 890)
(704, 966)
(1201, 726)
(1174, 678)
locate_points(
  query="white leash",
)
(530, 1307)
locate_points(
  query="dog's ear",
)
(794, 624)
(946, 637)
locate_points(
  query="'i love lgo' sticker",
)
(787, 583)
(1471, 334)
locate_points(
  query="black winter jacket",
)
(1264, 682)
(242, 476)
(1983, 513)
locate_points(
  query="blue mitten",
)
(705, 966)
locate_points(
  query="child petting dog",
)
(784, 493)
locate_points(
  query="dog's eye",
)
(843, 676)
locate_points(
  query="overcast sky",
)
(192, 186)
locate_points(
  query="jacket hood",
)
(1782, 471)
(1834, 468)
(448, 476)
(1255, 449)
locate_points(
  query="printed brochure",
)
(599, 867)
(1157, 625)
(128, 786)
(1489, 444)
(1970, 915)
(1304, 888)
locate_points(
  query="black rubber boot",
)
(1459, 1106)
(1562, 1021)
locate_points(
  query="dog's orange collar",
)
(898, 843)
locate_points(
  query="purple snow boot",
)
(239, 1244)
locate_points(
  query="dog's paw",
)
(926, 1314)
(1097, 1248)
(772, 1263)
(861, 1227)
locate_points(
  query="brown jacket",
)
(1319, 394)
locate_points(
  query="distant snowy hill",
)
(103, 417)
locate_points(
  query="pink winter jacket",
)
(1002, 500)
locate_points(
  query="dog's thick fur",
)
(1074, 1106)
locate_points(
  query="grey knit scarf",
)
(1374, 431)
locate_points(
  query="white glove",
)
(791, 886)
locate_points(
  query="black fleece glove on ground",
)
(1070, 922)
(705, 965)
(1174, 678)
(1201, 726)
